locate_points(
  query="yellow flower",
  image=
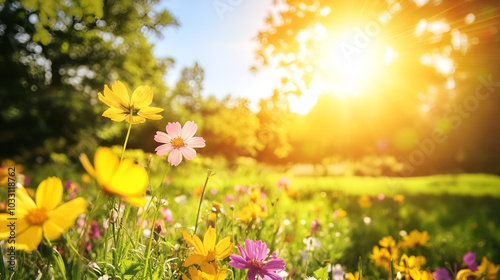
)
(415, 239)
(406, 264)
(381, 257)
(124, 179)
(387, 242)
(339, 213)
(488, 268)
(421, 275)
(252, 211)
(133, 109)
(364, 201)
(4, 171)
(399, 198)
(43, 218)
(464, 274)
(354, 276)
(198, 275)
(205, 253)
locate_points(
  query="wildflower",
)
(381, 257)
(339, 214)
(124, 179)
(337, 272)
(416, 239)
(399, 198)
(199, 275)
(464, 274)
(94, 230)
(311, 243)
(178, 142)
(489, 269)
(365, 201)
(354, 276)
(408, 263)
(470, 260)
(133, 109)
(255, 258)
(167, 214)
(207, 252)
(315, 225)
(283, 183)
(252, 211)
(43, 218)
(4, 171)
(421, 275)
(387, 242)
(441, 274)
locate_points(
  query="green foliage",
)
(55, 57)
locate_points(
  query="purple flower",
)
(441, 274)
(254, 259)
(470, 261)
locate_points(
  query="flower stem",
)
(126, 141)
(148, 250)
(201, 200)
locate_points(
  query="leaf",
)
(322, 273)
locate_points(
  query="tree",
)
(56, 55)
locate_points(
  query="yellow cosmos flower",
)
(133, 109)
(490, 270)
(199, 275)
(4, 171)
(354, 276)
(406, 264)
(421, 275)
(464, 274)
(43, 218)
(381, 257)
(252, 211)
(206, 252)
(415, 239)
(124, 179)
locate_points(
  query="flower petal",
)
(162, 137)
(250, 248)
(224, 248)
(150, 112)
(24, 202)
(141, 97)
(174, 129)
(188, 130)
(243, 253)
(195, 142)
(139, 201)
(175, 157)
(84, 160)
(129, 179)
(239, 262)
(115, 114)
(105, 163)
(188, 152)
(63, 217)
(29, 239)
(20, 225)
(275, 265)
(194, 259)
(251, 274)
(110, 99)
(209, 239)
(135, 119)
(49, 193)
(120, 91)
(164, 149)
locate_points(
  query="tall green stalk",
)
(201, 201)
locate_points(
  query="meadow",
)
(321, 226)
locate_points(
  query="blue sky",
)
(221, 41)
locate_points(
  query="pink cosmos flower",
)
(178, 142)
(167, 214)
(254, 259)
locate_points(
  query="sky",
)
(222, 42)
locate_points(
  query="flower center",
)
(177, 142)
(37, 216)
(256, 264)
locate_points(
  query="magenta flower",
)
(254, 259)
(470, 260)
(178, 142)
(441, 274)
(167, 214)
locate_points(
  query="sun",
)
(352, 61)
